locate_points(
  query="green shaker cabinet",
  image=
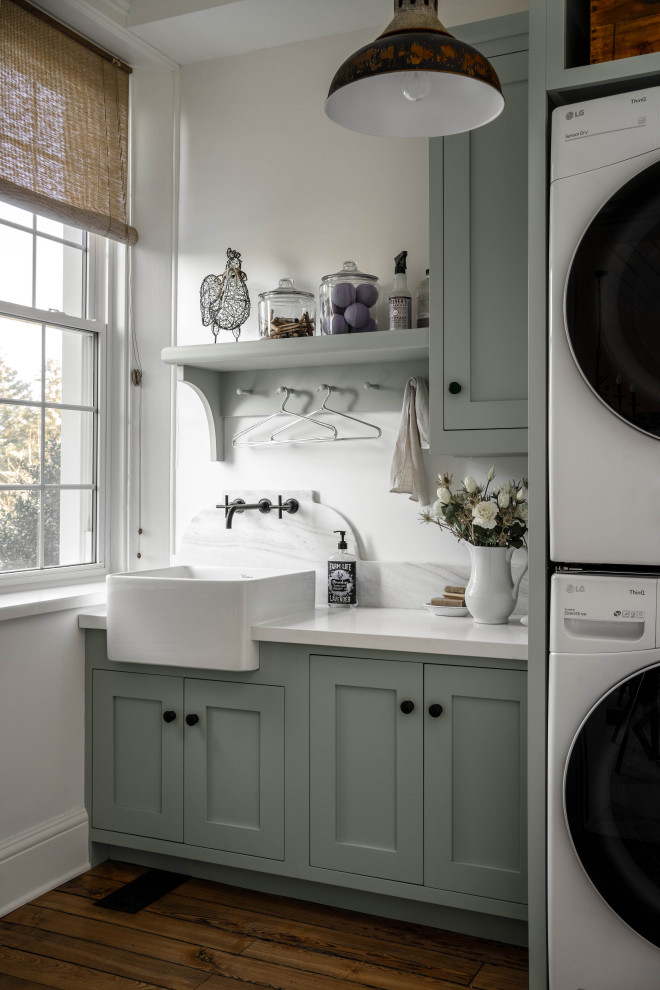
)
(474, 777)
(382, 773)
(478, 258)
(417, 774)
(194, 761)
(234, 768)
(137, 756)
(366, 774)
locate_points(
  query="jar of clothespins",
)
(286, 312)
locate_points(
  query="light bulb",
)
(416, 85)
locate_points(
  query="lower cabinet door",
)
(475, 836)
(366, 768)
(137, 754)
(234, 767)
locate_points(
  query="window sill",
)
(36, 601)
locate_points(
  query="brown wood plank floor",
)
(211, 936)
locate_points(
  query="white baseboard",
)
(40, 858)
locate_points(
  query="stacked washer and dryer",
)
(604, 469)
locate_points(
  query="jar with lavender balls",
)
(348, 301)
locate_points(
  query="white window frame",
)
(103, 268)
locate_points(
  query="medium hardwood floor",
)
(211, 936)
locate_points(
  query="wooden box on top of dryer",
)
(622, 28)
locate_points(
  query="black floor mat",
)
(139, 893)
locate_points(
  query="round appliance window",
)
(612, 305)
(612, 800)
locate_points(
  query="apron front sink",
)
(199, 616)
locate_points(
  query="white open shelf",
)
(303, 352)
(218, 372)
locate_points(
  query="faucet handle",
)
(235, 505)
(291, 505)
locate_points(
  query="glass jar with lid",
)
(348, 301)
(286, 312)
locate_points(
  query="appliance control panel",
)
(600, 132)
(603, 613)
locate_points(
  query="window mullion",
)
(42, 233)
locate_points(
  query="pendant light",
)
(415, 80)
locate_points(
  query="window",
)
(51, 356)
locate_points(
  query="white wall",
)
(43, 825)
(154, 107)
(264, 171)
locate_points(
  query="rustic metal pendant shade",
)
(415, 80)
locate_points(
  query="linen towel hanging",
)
(408, 474)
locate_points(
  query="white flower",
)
(470, 484)
(444, 495)
(485, 515)
(437, 509)
(520, 497)
(522, 512)
(503, 499)
(491, 474)
(507, 487)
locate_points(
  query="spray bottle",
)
(400, 300)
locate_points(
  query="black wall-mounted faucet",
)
(263, 505)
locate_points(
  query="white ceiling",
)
(195, 30)
(189, 31)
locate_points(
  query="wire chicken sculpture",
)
(224, 299)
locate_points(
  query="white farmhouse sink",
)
(199, 616)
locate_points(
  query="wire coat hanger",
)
(324, 408)
(238, 440)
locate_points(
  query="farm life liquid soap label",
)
(342, 576)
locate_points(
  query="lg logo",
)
(578, 113)
(571, 588)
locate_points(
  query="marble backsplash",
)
(307, 539)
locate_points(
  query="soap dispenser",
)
(342, 576)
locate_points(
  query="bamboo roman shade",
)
(63, 125)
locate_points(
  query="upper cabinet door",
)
(479, 278)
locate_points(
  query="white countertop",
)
(407, 629)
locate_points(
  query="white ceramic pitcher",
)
(491, 593)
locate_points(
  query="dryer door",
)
(612, 303)
(612, 800)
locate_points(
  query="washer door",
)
(612, 800)
(612, 305)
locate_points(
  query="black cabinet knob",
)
(407, 707)
(435, 711)
(455, 388)
(169, 716)
(192, 719)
